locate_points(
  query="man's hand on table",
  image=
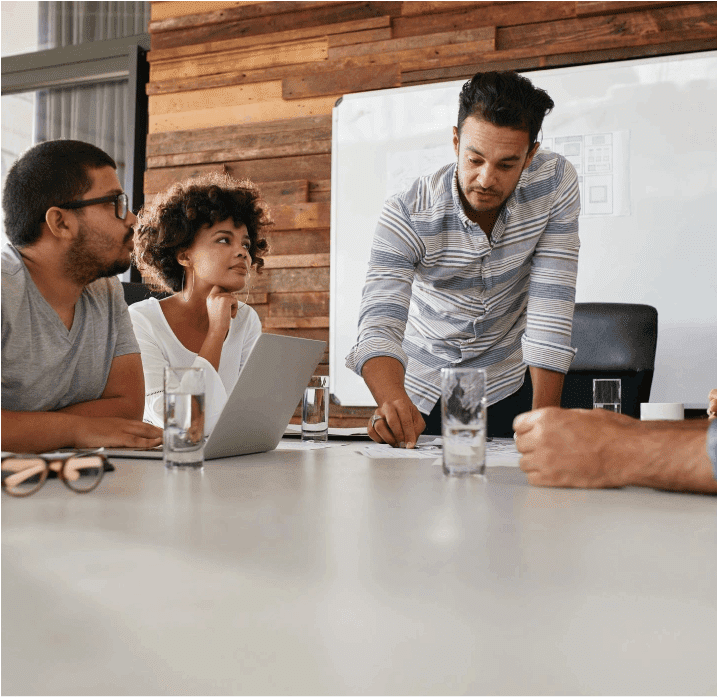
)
(117, 432)
(570, 448)
(399, 423)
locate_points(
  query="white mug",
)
(661, 410)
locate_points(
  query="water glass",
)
(315, 410)
(463, 420)
(184, 417)
(607, 394)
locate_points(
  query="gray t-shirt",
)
(45, 366)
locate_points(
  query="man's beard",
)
(82, 264)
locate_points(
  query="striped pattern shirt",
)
(439, 293)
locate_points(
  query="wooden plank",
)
(274, 193)
(692, 21)
(361, 37)
(237, 95)
(275, 170)
(179, 8)
(291, 192)
(296, 322)
(417, 7)
(256, 299)
(476, 34)
(312, 241)
(241, 113)
(287, 130)
(287, 261)
(298, 216)
(291, 280)
(591, 9)
(507, 60)
(485, 15)
(271, 55)
(325, 30)
(231, 13)
(332, 83)
(315, 84)
(298, 304)
(309, 147)
(343, 12)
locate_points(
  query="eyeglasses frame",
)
(63, 459)
(101, 200)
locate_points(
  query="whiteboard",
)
(644, 133)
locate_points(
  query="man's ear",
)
(531, 154)
(61, 225)
(456, 141)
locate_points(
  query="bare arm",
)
(221, 308)
(547, 387)
(38, 432)
(401, 422)
(124, 394)
(597, 448)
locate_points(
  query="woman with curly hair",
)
(199, 240)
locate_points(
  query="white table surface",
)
(326, 572)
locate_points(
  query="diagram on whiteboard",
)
(601, 162)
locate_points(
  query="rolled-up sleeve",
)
(396, 250)
(552, 286)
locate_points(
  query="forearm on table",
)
(127, 406)
(36, 432)
(668, 455)
(547, 387)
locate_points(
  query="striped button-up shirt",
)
(439, 293)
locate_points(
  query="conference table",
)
(330, 571)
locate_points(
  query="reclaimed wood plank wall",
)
(248, 88)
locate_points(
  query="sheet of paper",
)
(298, 445)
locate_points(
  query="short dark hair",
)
(46, 175)
(505, 99)
(171, 222)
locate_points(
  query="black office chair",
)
(134, 292)
(614, 340)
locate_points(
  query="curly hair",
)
(505, 99)
(170, 224)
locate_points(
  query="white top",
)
(160, 347)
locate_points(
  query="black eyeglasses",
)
(25, 474)
(122, 204)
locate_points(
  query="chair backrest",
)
(134, 292)
(614, 340)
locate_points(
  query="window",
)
(77, 70)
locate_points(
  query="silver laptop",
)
(268, 390)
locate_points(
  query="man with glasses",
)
(71, 367)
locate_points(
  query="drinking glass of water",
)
(607, 394)
(315, 410)
(463, 420)
(184, 417)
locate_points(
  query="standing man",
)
(71, 367)
(474, 266)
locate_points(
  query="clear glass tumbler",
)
(315, 410)
(463, 420)
(184, 417)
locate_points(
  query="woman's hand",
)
(221, 308)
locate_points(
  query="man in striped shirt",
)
(474, 266)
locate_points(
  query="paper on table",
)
(294, 445)
(385, 451)
(296, 430)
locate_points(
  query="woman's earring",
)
(247, 285)
(190, 293)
